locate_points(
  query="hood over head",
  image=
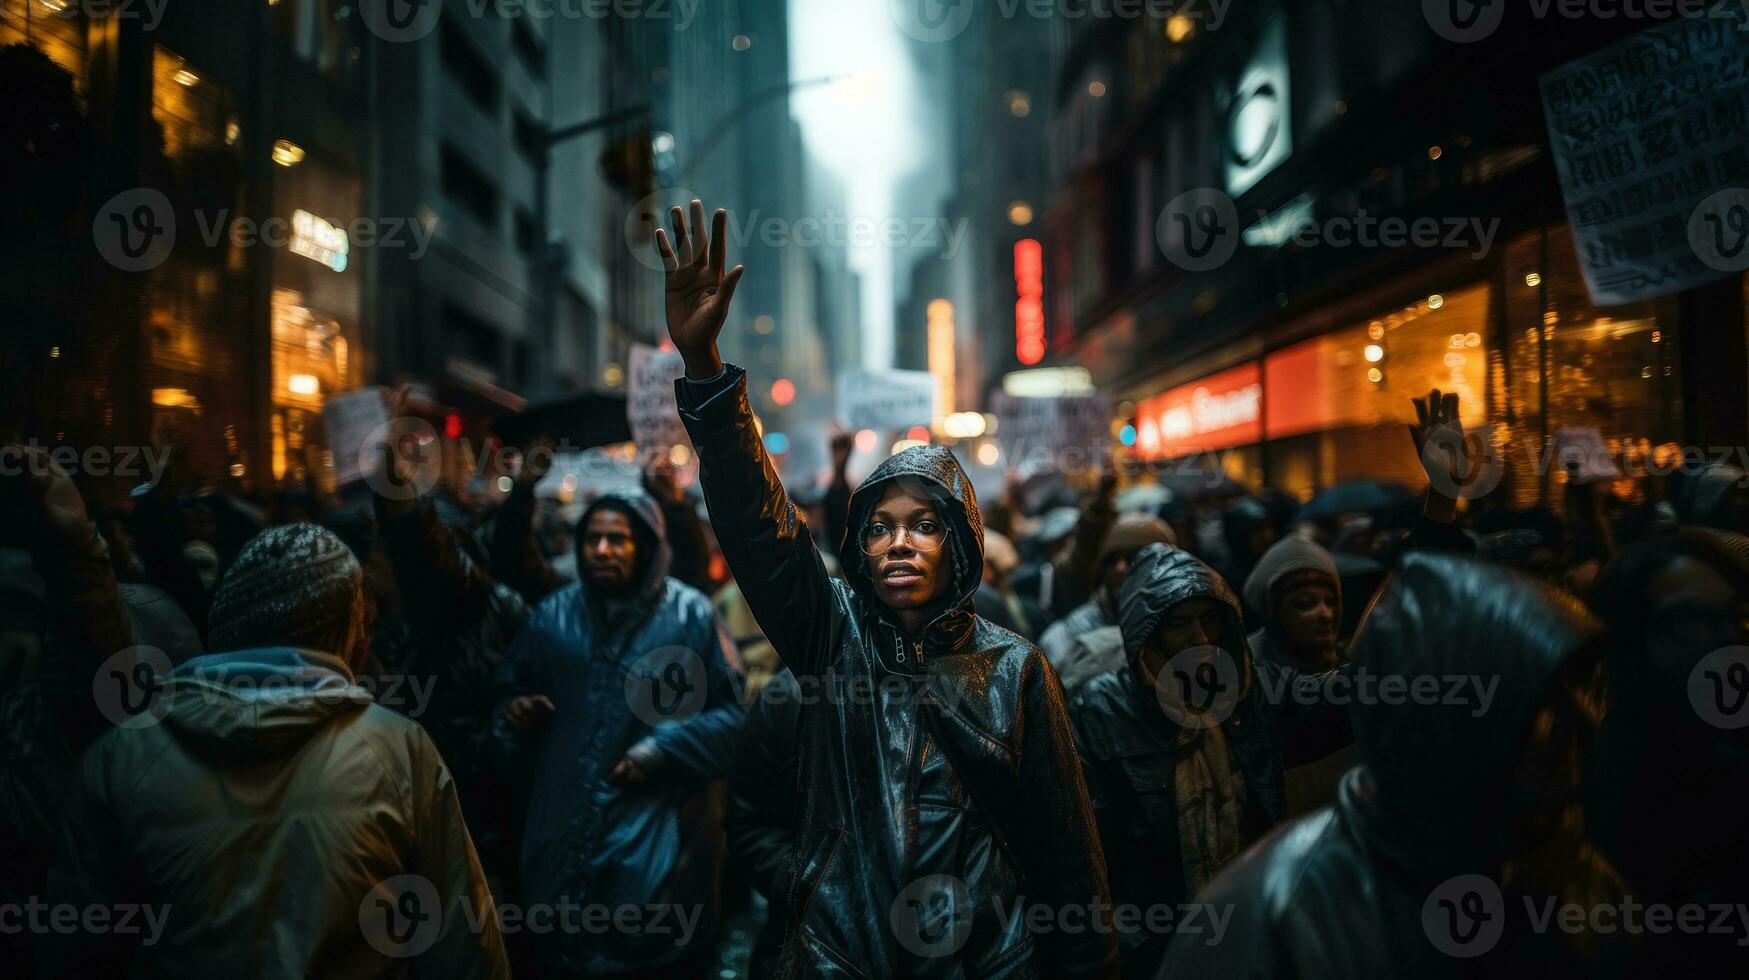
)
(254, 704)
(1133, 532)
(1441, 775)
(648, 526)
(938, 476)
(1292, 554)
(1163, 577)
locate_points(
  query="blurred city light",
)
(287, 154)
(866, 440)
(783, 391)
(776, 443)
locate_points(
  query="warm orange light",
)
(865, 440)
(941, 362)
(783, 391)
(1029, 308)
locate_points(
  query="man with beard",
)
(939, 793)
(618, 711)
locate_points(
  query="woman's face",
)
(1309, 614)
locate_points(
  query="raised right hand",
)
(697, 292)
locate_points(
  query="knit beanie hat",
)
(1291, 555)
(293, 585)
(1131, 533)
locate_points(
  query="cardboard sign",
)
(1583, 455)
(1024, 426)
(650, 407)
(348, 418)
(1651, 140)
(885, 400)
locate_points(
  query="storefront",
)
(1526, 353)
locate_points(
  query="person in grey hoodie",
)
(255, 813)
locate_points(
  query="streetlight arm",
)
(557, 136)
(721, 129)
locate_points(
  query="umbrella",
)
(577, 421)
(1355, 497)
(1148, 497)
(1195, 483)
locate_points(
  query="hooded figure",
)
(938, 788)
(270, 818)
(1080, 645)
(641, 672)
(1295, 595)
(1185, 744)
(1461, 822)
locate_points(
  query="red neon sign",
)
(1029, 309)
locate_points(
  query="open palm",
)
(698, 293)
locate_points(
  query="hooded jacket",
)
(1132, 747)
(650, 670)
(268, 816)
(939, 781)
(1342, 892)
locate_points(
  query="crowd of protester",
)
(313, 737)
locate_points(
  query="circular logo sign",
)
(1199, 687)
(135, 230)
(417, 462)
(398, 21)
(931, 21)
(1459, 465)
(401, 916)
(667, 686)
(1718, 230)
(932, 916)
(1464, 21)
(1718, 687)
(1199, 229)
(650, 214)
(128, 687)
(1465, 916)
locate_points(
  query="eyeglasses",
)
(878, 538)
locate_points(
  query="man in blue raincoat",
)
(617, 705)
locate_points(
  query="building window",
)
(469, 68)
(528, 47)
(466, 185)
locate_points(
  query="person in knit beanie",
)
(1126, 539)
(1296, 593)
(296, 585)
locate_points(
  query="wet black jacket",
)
(763, 805)
(1355, 890)
(940, 783)
(1131, 746)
